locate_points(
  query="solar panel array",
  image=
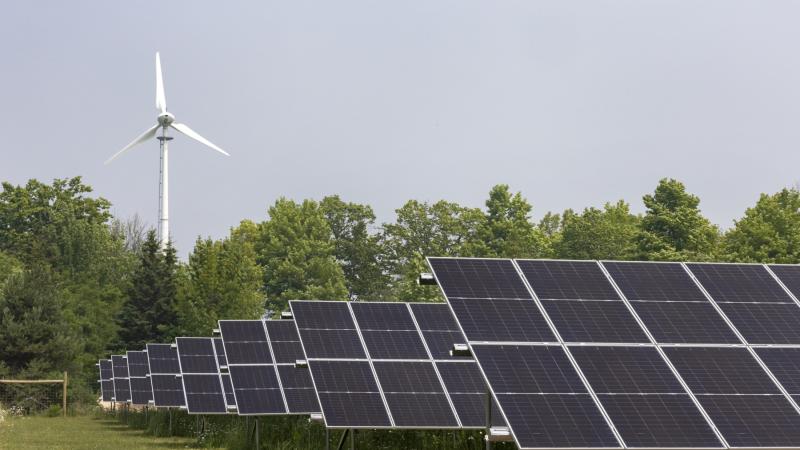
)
(165, 371)
(106, 380)
(631, 354)
(202, 384)
(388, 365)
(122, 385)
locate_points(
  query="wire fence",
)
(28, 397)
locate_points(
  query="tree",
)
(35, 338)
(609, 233)
(673, 227)
(769, 232)
(224, 282)
(297, 253)
(423, 229)
(356, 249)
(507, 231)
(150, 311)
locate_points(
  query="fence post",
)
(64, 394)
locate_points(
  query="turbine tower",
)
(164, 120)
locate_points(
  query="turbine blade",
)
(161, 99)
(183, 128)
(145, 136)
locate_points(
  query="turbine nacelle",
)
(165, 119)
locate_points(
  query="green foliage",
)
(673, 229)
(355, 248)
(296, 250)
(224, 282)
(507, 231)
(35, 338)
(150, 312)
(769, 232)
(607, 233)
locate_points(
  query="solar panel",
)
(765, 323)
(227, 386)
(202, 384)
(139, 371)
(396, 371)
(263, 377)
(720, 370)
(327, 330)
(739, 283)
(468, 391)
(479, 278)
(122, 386)
(594, 321)
(106, 380)
(567, 280)
(165, 378)
(626, 370)
(754, 420)
(219, 349)
(654, 281)
(789, 274)
(501, 320)
(684, 322)
(784, 363)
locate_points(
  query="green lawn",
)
(84, 432)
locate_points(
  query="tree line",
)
(77, 283)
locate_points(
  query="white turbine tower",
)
(165, 120)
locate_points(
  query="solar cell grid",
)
(105, 369)
(462, 377)
(502, 320)
(282, 331)
(528, 369)
(684, 322)
(407, 377)
(659, 421)
(141, 390)
(739, 283)
(434, 317)
(594, 321)
(789, 276)
(204, 394)
(167, 391)
(322, 315)
(163, 359)
(626, 370)
(784, 363)
(765, 323)
(245, 342)
(119, 366)
(137, 364)
(122, 389)
(383, 316)
(754, 420)
(230, 396)
(440, 344)
(653, 281)
(332, 344)
(576, 280)
(394, 344)
(720, 370)
(256, 389)
(479, 278)
(219, 348)
(107, 390)
(196, 355)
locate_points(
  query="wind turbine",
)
(164, 120)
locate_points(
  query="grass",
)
(81, 432)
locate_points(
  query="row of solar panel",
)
(588, 354)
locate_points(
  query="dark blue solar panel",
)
(502, 320)
(383, 316)
(739, 283)
(122, 389)
(298, 389)
(765, 323)
(227, 386)
(479, 278)
(107, 390)
(332, 344)
(167, 391)
(720, 370)
(754, 420)
(245, 342)
(421, 410)
(784, 363)
(197, 355)
(528, 369)
(789, 276)
(219, 348)
(440, 344)
(343, 376)
(257, 390)
(137, 364)
(141, 390)
(349, 409)
(285, 341)
(684, 322)
(626, 370)
(322, 315)
(163, 359)
(408, 377)
(659, 421)
(594, 321)
(548, 421)
(394, 344)
(647, 281)
(204, 394)
(471, 410)
(119, 366)
(462, 377)
(434, 316)
(577, 280)
(282, 330)
(105, 369)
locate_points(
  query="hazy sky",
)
(573, 103)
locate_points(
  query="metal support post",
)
(488, 419)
